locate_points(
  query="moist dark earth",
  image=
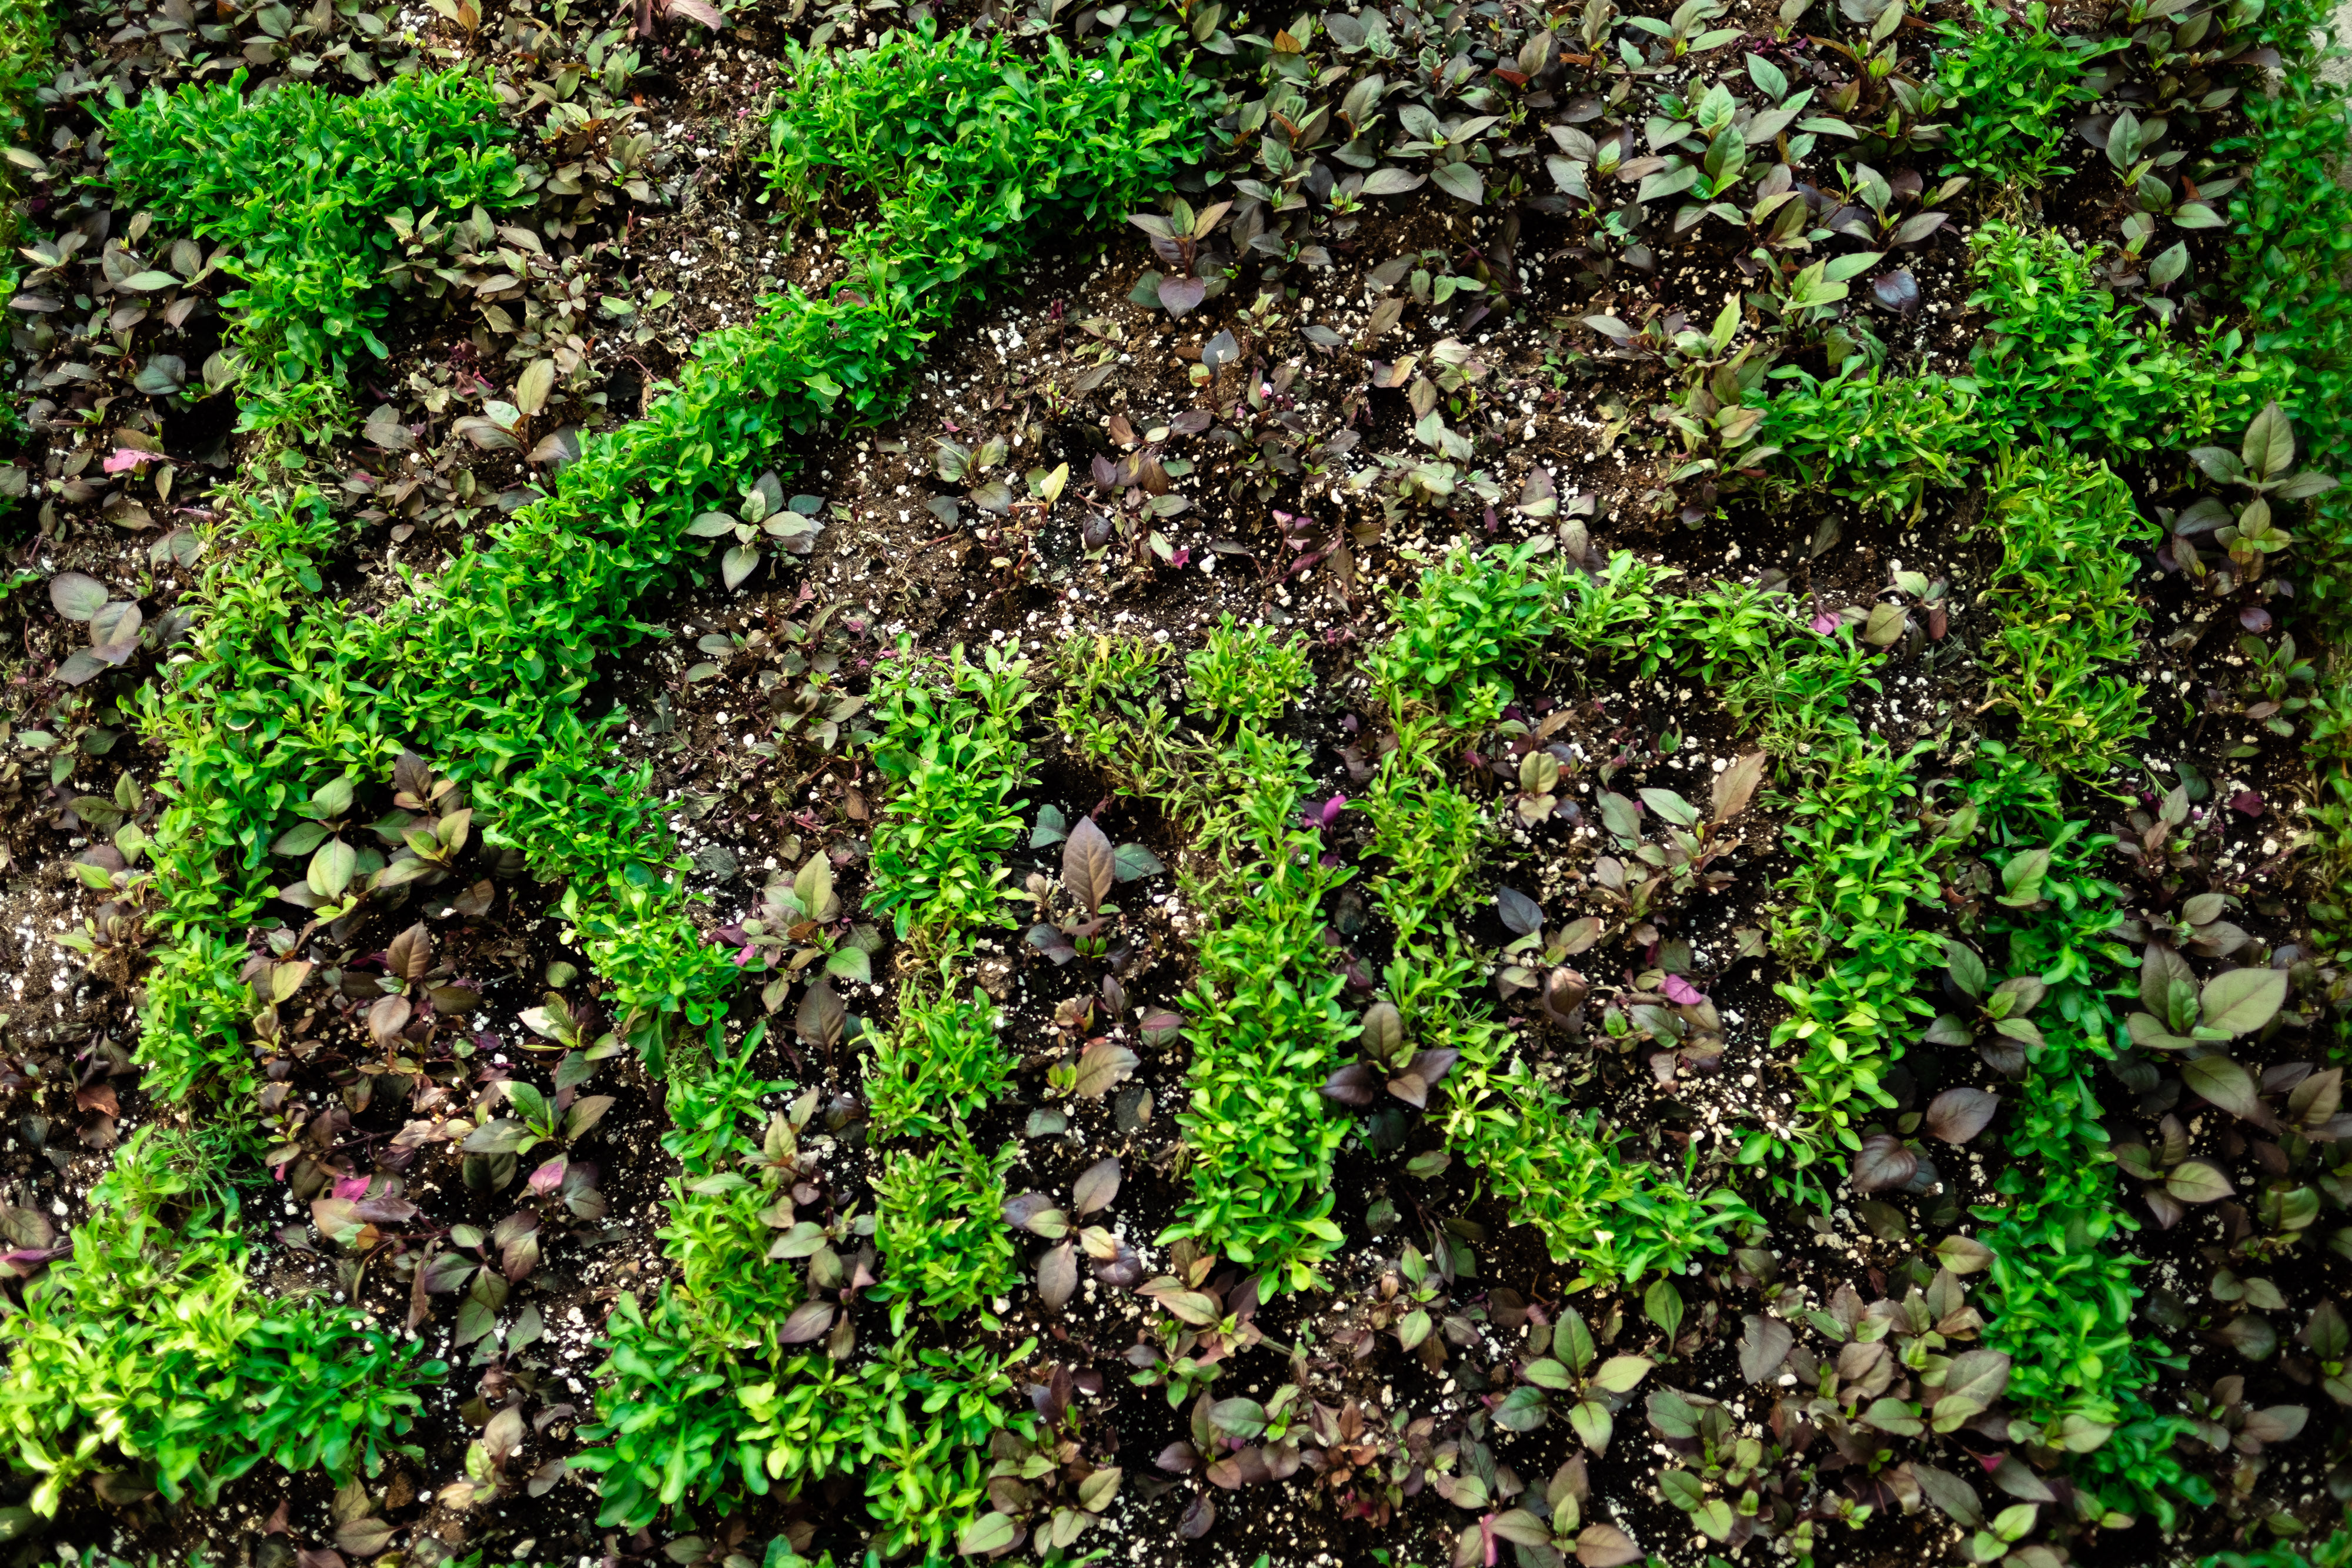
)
(750, 800)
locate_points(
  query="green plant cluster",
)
(1881, 442)
(2062, 1298)
(287, 706)
(27, 32)
(944, 1060)
(301, 181)
(972, 153)
(2014, 87)
(1266, 1031)
(1470, 619)
(2335, 1552)
(950, 742)
(956, 763)
(1864, 851)
(678, 1425)
(2064, 604)
(1250, 673)
(939, 1224)
(2063, 359)
(149, 1343)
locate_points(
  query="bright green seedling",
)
(1248, 674)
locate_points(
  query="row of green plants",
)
(2291, 230)
(1267, 1029)
(2071, 366)
(26, 35)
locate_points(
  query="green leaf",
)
(2239, 1001)
(1522, 1409)
(2269, 448)
(1591, 1421)
(1132, 861)
(1619, 1374)
(331, 869)
(2197, 1181)
(989, 1532)
(1462, 180)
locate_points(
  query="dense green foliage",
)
(299, 182)
(1265, 1033)
(26, 31)
(2063, 605)
(149, 1341)
(942, 1061)
(2015, 87)
(956, 763)
(970, 149)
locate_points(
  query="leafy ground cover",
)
(1409, 785)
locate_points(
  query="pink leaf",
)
(1825, 624)
(2248, 801)
(123, 457)
(1682, 993)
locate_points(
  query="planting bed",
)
(1413, 785)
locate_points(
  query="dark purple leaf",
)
(1884, 1162)
(806, 1323)
(1058, 1275)
(1090, 865)
(1354, 1084)
(1521, 915)
(1896, 291)
(1097, 1185)
(1958, 1114)
(1763, 1347)
(1179, 295)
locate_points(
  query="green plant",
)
(2014, 89)
(1430, 835)
(1265, 1032)
(1468, 620)
(956, 757)
(972, 151)
(941, 1226)
(942, 1063)
(2059, 1296)
(25, 33)
(149, 1343)
(1865, 850)
(2063, 604)
(2292, 229)
(1880, 442)
(2063, 359)
(300, 181)
(1248, 674)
